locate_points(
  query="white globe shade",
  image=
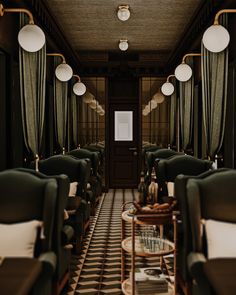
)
(167, 88)
(183, 72)
(158, 97)
(64, 72)
(123, 45)
(88, 97)
(123, 13)
(216, 38)
(79, 88)
(31, 38)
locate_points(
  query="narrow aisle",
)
(99, 265)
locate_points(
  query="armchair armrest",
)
(67, 234)
(196, 267)
(43, 285)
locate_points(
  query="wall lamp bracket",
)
(26, 11)
(216, 20)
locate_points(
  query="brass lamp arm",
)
(78, 77)
(59, 55)
(168, 78)
(216, 20)
(26, 11)
(190, 54)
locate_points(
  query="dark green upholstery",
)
(95, 179)
(62, 234)
(168, 169)
(210, 198)
(73, 168)
(184, 241)
(25, 197)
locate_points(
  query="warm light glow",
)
(93, 104)
(183, 72)
(31, 38)
(167, 88)
(216, 38)
(79, 88)
(64, 72)
(158, 97)
(123, 12)
(88, 97)
(152, 104)
(123, 45)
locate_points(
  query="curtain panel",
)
(60, 108)
(172, 117)
(186, 109)
(32, 66)
(214, 68)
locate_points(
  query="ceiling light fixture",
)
(79, 88)
(216, 38)
(30, 37)
(63, 71)
(183, 71)
(123, 12)
(168, 88)
(123, 45)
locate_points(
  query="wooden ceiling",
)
(93, 26)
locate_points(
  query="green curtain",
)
(75, 117)
(214, 68)
(172, 116)
(60, 108)
(186, 109)
(32, 67)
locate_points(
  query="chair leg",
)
(58, 286)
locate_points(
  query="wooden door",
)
(124, 144)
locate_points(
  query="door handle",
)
(133, 149)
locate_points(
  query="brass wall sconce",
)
(79, 88)
(216, 38)
(168, 88)
(31, 37)
(183, 71)
(63, 71)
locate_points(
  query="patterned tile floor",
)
(97, 270)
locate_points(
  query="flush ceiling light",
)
(168, 88)
(216, 38)
(123, 45)
(123, 12)
(79, 88)
(63, 71)
(30, 37)
(183, 72)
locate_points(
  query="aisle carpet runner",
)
(97, 270)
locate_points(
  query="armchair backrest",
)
(75, 169)
(83, 153)
(184, 241)
(168, 169)
(211, 198)
(61, 201)
(25, 197)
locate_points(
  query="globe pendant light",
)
(64, 72)
(123, 45)
(216, 38)
(167, 89)
(30, 37)
(79, 88)
(183, 72)
(123, 12)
